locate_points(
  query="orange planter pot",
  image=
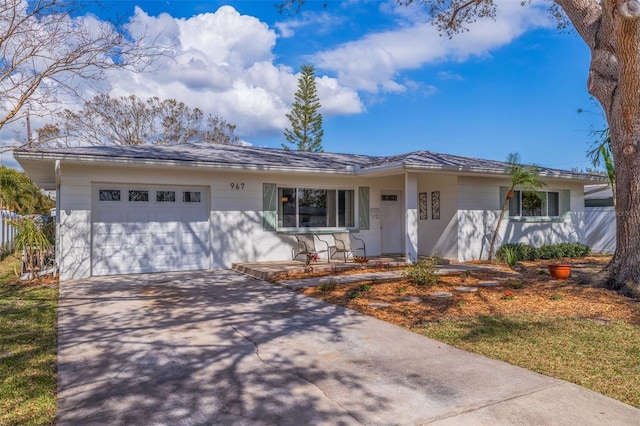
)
(560, 271)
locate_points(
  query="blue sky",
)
(388, 83)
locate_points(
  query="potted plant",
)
(559, 271)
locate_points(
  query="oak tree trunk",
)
(611, 29)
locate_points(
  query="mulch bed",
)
(532, 292)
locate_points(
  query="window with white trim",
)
(316, 208)
(535, 204)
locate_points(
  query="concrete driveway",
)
(211, 348)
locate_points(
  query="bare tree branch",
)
(47, 49)
(128, 120)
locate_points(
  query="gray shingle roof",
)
(428, 158)
(217, 154)
(235, 155)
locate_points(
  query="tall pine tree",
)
(306, 121)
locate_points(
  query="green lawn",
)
(601, 356)
(27, 351)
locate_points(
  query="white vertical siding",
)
(600, 229)
(7, 232)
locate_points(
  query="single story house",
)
(139, 209)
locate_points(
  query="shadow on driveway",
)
(186, 349)
(220, 348)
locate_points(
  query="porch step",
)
(273, 270)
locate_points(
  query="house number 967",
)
(237, 186)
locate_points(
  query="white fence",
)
(600, 229)
(7, 232)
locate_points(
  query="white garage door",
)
(139, 229)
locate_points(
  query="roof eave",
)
(495, 172)
(148, 162)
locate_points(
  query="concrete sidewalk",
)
(220, 348)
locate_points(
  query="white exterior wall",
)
(479, 202)
(411, 217)
(439, 236)
(74, 224)
(469, 207)
(237, 233)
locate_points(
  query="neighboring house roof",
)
(598, 195)
(39, 163)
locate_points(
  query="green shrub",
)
(560, 250)
(582, 249)
(422, 272)
(34, 239)
(507, 252)
(329, 285)
(516, 252)
(511, 255)
(517, 284)
(549, 251)
(529, 252)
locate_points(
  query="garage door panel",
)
(140, 237)
(192, 238)
(112, 229)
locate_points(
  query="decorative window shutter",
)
(363, 207)
(269, 206)
(565, 195)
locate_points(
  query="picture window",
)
(316, 208)
(534, 204)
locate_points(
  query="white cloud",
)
(320, 23)
(374, 62)
(223, 63)
(446, 75)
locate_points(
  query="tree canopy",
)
(128, 120)
(18, 193)
(305, 118)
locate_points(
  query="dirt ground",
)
(528, 288)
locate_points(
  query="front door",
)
(391, 220)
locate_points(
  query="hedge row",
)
(547, 251)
